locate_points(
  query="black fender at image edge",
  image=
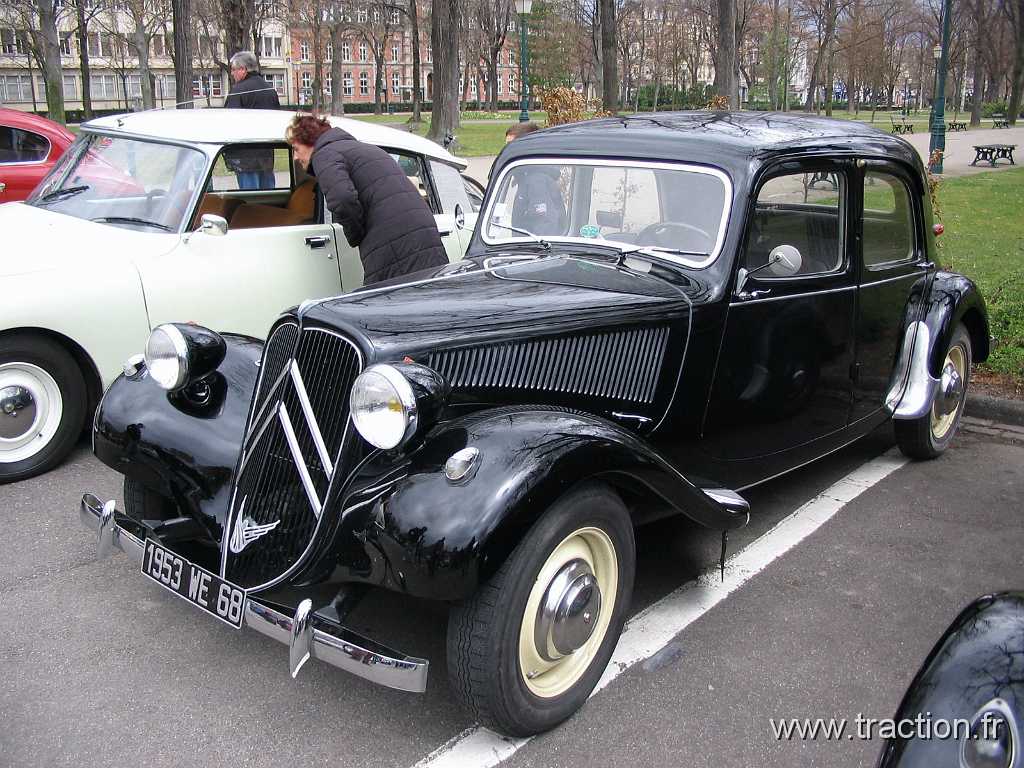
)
(954, 299)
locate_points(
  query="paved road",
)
(101, 668)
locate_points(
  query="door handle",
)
(2, 186)
(318, 242)
(926, 265)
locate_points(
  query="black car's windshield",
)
(675, 212)
(125, 182)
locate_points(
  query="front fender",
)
(180, 448)
(441, 539)
(952, 299)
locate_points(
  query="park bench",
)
(992, 152)
(1000, 121)
(901, 125)
(957, 125)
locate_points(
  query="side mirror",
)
(460, 217)
(212, 224)
(785, 261)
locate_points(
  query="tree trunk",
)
(49, 47)
(444, 45)
(83, 59)
(142, 48)
(725, 65)
(181, 14)
(417, 101)
(337, 75)
(829, 80)
(378, 77)
(236, 25)
(1017, 76)
(492, 80)
(609, 57)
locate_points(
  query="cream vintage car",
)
(142, 222)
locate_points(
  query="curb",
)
(995, 409)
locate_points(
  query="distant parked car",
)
(30, 145)
(141, 222)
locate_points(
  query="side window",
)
(412, 165)
(251, 168)
(17, 146)
(624, 201)
(798, 216)
(450, 188)
(888, 220)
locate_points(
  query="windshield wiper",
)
(131, 220)
(538, 240)
(653, 250)
(66, 192)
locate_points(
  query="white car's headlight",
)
(167, 357)
(179, 354)
(383, 406)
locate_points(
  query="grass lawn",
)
(984, 240)
(475, 139)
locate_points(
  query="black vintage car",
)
(657, 312)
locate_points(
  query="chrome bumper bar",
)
(306, 634)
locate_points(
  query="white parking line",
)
(654, 627)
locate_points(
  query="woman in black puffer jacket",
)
(380, 210)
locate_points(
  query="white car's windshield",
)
(680, 210)
(124, 182)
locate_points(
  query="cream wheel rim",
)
(948, 399)
(30, 410)
(592, 546)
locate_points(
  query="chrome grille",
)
(623, 366)
(294, 448)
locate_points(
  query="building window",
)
(511, 58)
(103, 87)
(512, 82)
(208, 45)
(271, 47)
(278, 82)
(394, 18)
(328, 82)
(98, 44)
(156, 48)
(362, 52)
(304, 51)
(361, 16)
(133, 86)
(347, 84)
(396, 83)
(307, 80)
(15, 88)
(11, 42)
(65, 44)
(430, 54)
(346, 51)
(206, 85)
(70, 87)
(364, 84)
(394, 54)
(499, 85)
(165, 87)
(376, 16)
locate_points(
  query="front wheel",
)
(527, 649)
(927, 436)
(42, 405)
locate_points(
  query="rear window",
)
(18, 146)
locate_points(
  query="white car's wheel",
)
(526, 651)
(42, 405)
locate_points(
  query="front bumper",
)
(307, 634)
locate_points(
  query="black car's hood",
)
(498, 299)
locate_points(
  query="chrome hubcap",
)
(30, 410)
(17, 411)
(951, 388)
(951, 392)
(568, 612)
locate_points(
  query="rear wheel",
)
(42, 405)
(928, 436)
(525, 652)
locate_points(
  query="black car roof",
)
(718, 138)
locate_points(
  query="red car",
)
(30, 145)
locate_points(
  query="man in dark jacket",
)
(253, 167)
(380, 210)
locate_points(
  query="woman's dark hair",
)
(306, 129)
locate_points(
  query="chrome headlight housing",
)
(178, 354)
(390, 402)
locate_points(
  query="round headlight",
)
(167, 357)
(383, 406)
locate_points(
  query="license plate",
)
(197, 585)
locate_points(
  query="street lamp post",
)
(523, 8)
(938, 137)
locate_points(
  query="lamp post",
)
(938, 137)
(523, 8)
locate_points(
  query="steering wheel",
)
(673, 234)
